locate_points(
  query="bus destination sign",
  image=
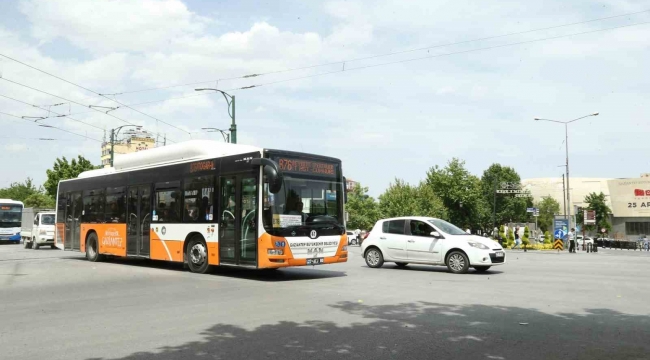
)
(306, 167)
(201, 166)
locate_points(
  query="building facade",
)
(132, 142)
(628, 199)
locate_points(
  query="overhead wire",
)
(51, 127)
(398, 62)
(74, 102)
(92, 91)
(53, 112)
(381, 55)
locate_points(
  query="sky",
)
(325, 89)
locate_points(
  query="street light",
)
(566, 135)
(114, 133)
(226, 136)
(230, 99)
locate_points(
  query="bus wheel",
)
(92, 250)
(197, 255)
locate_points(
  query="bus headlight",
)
(275, 252)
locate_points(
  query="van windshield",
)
(47, 219)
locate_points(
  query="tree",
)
(548, 207)
(363, 209)
(508, 207)
(63, 170)
(596, 203)
(39, 200)
(511, 237)
(19, 191)
(502, 234)
(525, 239)
(460, 193)
(402, 199)
(547, 237)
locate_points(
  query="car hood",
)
(493, 245)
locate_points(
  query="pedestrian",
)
(572, 242)
(517, 241)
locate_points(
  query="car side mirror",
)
(435, 234)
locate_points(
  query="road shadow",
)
(6, 242)
(431, 269)
(427, 331)
(288, 274)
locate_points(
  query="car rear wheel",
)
(374, 258)
(482, 269)
(458, 263)
(401, 264)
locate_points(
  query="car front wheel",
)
(458, 263)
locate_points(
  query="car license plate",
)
(500, 254)
(316, 261)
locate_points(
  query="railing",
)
(623, 244)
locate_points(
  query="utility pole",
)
(114, 133)
(165, 140)
(230, 99)
(563, 196)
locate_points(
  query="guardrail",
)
(622, 244)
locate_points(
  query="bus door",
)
(73, 212)
(139, 220)
(238, 219)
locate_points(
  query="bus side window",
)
(168, 205)
(115, 209)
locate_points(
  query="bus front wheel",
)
(197, 255)
(92, 248)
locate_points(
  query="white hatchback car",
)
(422, 240)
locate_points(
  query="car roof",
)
(421, 218)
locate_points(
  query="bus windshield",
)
(302, 204)
(10, 216)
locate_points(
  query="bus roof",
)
(183, 152)
(9, 201)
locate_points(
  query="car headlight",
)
(478, 245)
(275, 252)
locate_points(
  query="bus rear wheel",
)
(197, 255)
(92, 248)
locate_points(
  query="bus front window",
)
(10, 216)
(303, 203)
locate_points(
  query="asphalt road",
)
(55, 305)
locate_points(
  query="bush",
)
(525, 240)
(502, 234)
(511, 238)
(547, 238)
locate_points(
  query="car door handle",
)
(382, 238)
(411, 240)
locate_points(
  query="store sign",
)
(590, 217)
(630, 197)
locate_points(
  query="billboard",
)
(630, 197)
(560, 228)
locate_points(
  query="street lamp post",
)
(225, 135)
(114, 133)
(230, 99)
(566, 139)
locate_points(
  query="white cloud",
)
(15, 147)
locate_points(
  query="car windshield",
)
(446, 227)
(47, 219)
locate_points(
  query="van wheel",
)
(458, 263)
(53, 247)
(27, 244)
(374, 258)
(92, 248)
(35, 246)
(197, 255)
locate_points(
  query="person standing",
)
(572, 242)
(517, 241)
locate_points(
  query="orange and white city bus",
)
(208, 203)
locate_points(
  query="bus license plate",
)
(500, 254)
(316, 261)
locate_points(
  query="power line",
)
(54, 112)
(380, 55)
(24, 138)
(51, 127)
(72, 101)
(399, 62)
(92, 91)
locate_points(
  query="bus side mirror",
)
(272, 172)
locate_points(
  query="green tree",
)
(460, 193)
(547, 237)
(402, 199)
(525, 239)
(362, 209)
(597, 203)
(63, 170)
(508, 207)
(39, 200)
(19, 191)
(548, 207)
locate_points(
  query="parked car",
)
(38, 228)
(352, 238)
(423, 240)
(586, 240)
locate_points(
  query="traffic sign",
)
(559, 234)
(603, 230)
(532, 210)
(590, 217)
(558, 245)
